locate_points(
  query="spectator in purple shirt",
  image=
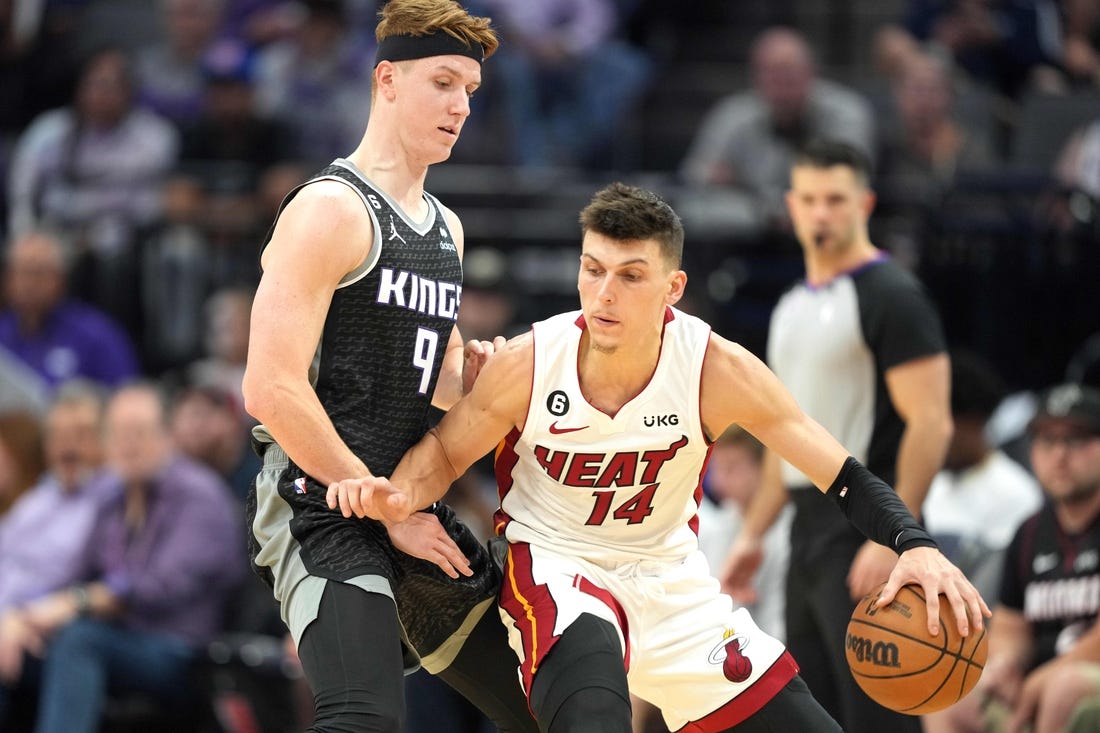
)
(44, 534)
(161, 564)
(58, 337)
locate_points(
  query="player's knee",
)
(591, 710)
(1064, 690)
(581, 685)
(350, 712)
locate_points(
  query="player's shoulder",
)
(727, 358)
(519, 350)
(510, 371)
(325, 215)
(517, 354)
(328, 209)
(328, 197)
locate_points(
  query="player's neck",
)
(610, 379)
(393, 170)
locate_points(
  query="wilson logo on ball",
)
(900, 664)
(878, 653)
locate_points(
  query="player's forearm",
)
(291, 412)
(425, 472)
(920, 456)
(448, 387)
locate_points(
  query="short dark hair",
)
(820, 153)
(623, 212)
(976, 387)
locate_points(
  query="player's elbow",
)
(260, 391)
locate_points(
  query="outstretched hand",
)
(934, 573)
(374, 497)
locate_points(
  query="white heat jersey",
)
(608, 488)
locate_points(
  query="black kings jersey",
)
(374, 371)
(388, 327)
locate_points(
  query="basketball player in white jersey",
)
(604, 419)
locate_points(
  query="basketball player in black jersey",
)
(353, 339)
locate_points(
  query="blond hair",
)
(424, 17)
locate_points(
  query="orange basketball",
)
(900, 666)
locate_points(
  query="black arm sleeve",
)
(875, 509)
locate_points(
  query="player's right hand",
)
(422, 536)
(743, 560)
(374, 497)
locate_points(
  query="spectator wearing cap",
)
(1043, 669)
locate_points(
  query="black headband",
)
(406, 47)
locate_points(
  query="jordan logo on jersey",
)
(602, 470)
(406, 290)
(394, 233)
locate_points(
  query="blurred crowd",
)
(146, 146)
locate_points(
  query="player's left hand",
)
(934, 573)
(421, 535)
(474, 355)
(373, 496)
(870, 568)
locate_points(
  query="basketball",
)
(900, 666)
